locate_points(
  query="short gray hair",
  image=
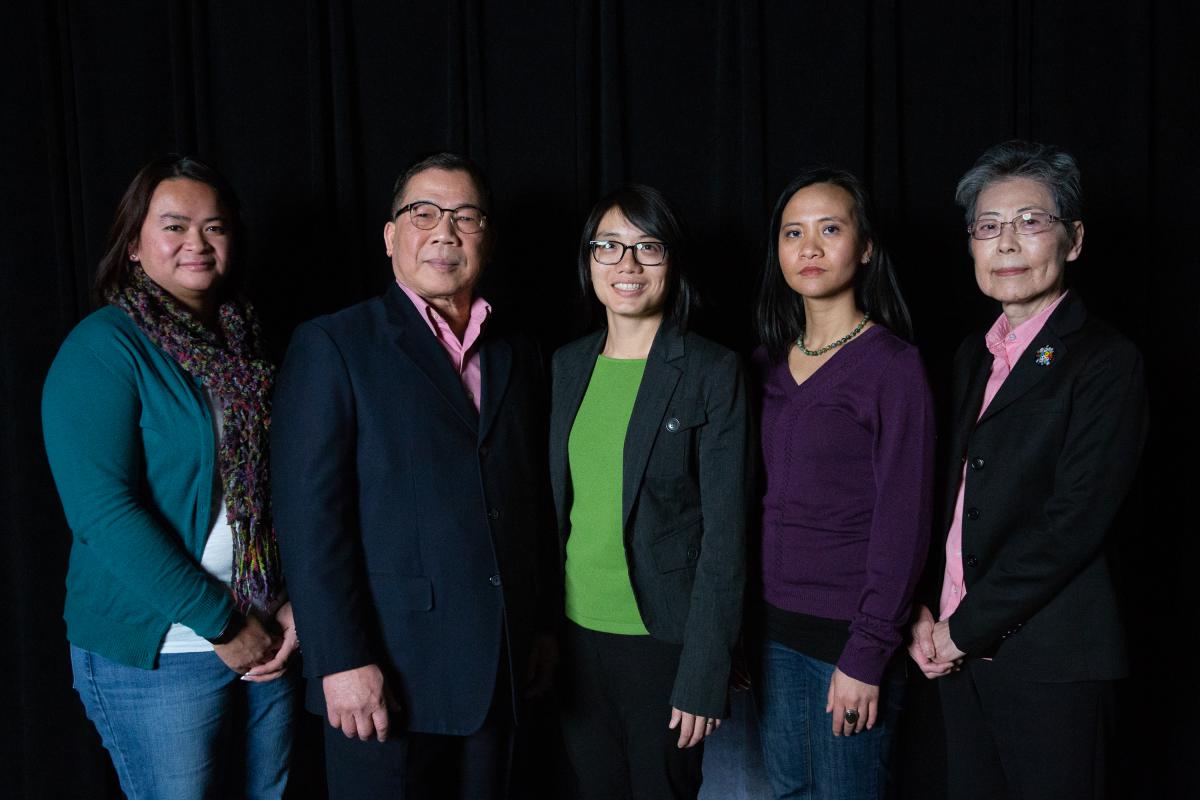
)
(1047, 164)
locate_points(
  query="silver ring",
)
(710, 722)
(851, 715)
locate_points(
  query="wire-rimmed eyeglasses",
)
(1027, 223)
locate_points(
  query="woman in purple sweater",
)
(847, 435)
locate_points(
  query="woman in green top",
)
(155, 415)
(649, 448)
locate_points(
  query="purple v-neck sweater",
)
(849, 468)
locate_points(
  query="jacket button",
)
(693, 553)
(673, 424)
(483, 450)
(494, 580)
(493, 514)
(976, 463)
(971, 560)
(972, 513)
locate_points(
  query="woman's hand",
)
(692, 727)
(922, 650)
(947, 650)
(253, 645)
(277, 666)
(848, 694)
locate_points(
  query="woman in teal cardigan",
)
(155, 416)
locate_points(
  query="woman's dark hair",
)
(650, 210)
(780, 317)
(115, 267)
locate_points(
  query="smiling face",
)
(819, 246)
(440, 263)
(184, 243)
(627, 289)
(1025, 273)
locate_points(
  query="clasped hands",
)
(931, 646)
(260, 653)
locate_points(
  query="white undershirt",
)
(217, 559)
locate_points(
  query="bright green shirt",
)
(599, 595)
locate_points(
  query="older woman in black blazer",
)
(1049, 417)
(648, 452)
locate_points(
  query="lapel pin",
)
(1045, 356)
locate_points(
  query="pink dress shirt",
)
(463, 355)
(1006, 347)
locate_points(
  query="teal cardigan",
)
(130, 440)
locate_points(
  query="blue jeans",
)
(802, 756)
(190, 729)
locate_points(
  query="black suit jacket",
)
(1047, 467)
(684, 497)
(415, 532)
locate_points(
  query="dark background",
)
(311, 108)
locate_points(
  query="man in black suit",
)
(412, 505)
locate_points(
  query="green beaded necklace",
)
(822, 351)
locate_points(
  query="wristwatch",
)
(233, 626)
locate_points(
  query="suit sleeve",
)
(902, 458)
(715, 614)
(314, 494)
(91, 423)
(548, 558)
(1093, 471)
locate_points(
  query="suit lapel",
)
(1044, 353)
(495, 366)
(980, 370)
(658, 384)
(415, 339)
(570, 384)
(969, 398)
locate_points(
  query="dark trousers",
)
(615, 697)
(426, 766)
(1011, 739)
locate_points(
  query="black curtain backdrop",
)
(312, 107)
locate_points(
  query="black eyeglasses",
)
(1027, 223)
(426, 216)
(648, 254)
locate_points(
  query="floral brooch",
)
(1045, 356)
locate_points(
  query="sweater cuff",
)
(864, 660)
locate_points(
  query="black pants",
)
(426, 766)
(615, 696)
(1010, 739)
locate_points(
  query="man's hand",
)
(357, 701)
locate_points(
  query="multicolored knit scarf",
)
(231, 364)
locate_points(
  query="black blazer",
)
(684, 498)
(415, 532)
(1047, 467)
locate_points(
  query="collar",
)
(1009, 343)
(480, 311)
